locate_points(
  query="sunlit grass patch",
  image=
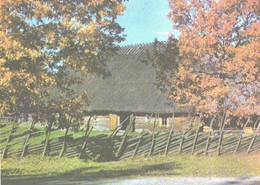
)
(171, 165)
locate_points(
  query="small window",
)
(164, 121)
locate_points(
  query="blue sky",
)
(144, 20)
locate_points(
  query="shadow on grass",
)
(92, 173)
(115, 173)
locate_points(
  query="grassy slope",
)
(172, 165)
(22, 129)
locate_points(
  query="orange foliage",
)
(220, 49)
(39, 38)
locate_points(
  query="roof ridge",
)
(141, 44)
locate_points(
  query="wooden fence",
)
(119, 145)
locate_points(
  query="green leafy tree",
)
(39, 38)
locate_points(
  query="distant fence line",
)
(193, 141)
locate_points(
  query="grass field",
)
(172, 165)
(39, 134)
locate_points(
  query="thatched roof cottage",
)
(129, 89)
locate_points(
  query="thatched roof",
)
(131, 85)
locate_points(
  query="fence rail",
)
(105, 147)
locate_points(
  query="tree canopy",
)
(219, 45)
(40, 39)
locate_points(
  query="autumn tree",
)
(40, 38)
(219, 45)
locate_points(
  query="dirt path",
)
(140, 181)
(188, 181)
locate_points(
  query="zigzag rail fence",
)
(191, 141)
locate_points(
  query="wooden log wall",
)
(101, 122)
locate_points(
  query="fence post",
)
(116, 130)
(208, 139)
(170, 136)
(132, 120)
(87, 132)
(221, 133)
(27, 138)
(240, 137)
(83, 148)
(64, 146)
(196, 136)
(9, 138)
(253, 139)
(47, 143)
(139, 142)
(183, 136)
(153, 140)
(120, 149)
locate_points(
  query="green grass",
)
(21, 131)
(172, 165)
